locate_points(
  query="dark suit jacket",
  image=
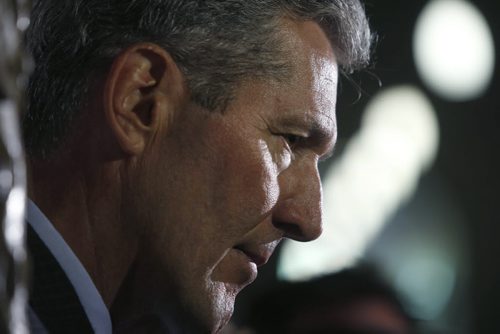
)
(52, 296)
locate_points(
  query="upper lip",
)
(259, 254)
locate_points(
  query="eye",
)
(292, 140)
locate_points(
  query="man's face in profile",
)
(220, 190)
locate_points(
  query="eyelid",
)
(301, 138)
(288, 136)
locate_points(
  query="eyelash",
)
(292, 140)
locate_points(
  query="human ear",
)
(142, 91)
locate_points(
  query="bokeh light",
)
(454, 49)
(427, 282)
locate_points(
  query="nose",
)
(298, 212)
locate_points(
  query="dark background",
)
(467, 163)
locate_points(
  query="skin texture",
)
(171, 208)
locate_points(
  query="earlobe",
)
(142, 91)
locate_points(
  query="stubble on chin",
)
(223, 299)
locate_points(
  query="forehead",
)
(311, 55)
(312, 87)
(307, 97)
(306, 35)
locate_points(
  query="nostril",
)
(290, 230)
(299, 230)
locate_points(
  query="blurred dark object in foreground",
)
(353, 301)
(14, 69)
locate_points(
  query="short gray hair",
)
(216, 43)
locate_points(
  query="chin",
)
(223, 321)
(212, 324)
(208, 312)
(221, 315)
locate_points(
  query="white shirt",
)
(91, 300)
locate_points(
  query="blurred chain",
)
(15, 66)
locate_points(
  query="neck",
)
(84, 204)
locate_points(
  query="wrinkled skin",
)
(171, 208)
(220, 190)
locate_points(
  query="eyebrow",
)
(315, 130)
(323, 137)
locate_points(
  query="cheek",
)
(246, 188)
(254, 179)
(269, 176)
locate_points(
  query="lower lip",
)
(249, 268)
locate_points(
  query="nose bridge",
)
(299, 211)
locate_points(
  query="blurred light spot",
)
(427, 281)
(378, 171)
(18, 322)
(454, 49)
(9, 129)
(9, 36)
(23, 23)
(14, 221)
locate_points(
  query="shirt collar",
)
(90, 298)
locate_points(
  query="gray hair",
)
(216, 44)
